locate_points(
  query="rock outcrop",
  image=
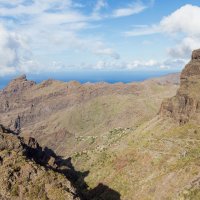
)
(29, 172)
(185, 106)
(17, 86)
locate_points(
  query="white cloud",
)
(183, 25)
(185, 20)
(100, 49)
(60, 19)
(103, 64)
(48, 25)
(131, 9)
(142, 64)
(174, 63)
(100, 4)
(21, 7)
(54, 26)
(185, 47)
(11, 3)
(143, 30)
(132, 65)
(11, 51)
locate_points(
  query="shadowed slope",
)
(31, 172)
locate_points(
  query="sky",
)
(57, 36)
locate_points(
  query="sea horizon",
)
(92, 76)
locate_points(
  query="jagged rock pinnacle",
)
(18, 84)
(196, 54)
(21, 78)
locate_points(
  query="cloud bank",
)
(182, 25)
(54, 35)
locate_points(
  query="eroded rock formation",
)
(185, 106)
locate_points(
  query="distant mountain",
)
(167, 79)
(140, 139)
(99, 129)
(60, 115)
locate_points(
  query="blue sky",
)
(55, 36)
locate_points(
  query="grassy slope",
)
(87, 122)
(156, 161)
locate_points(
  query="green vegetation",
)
(158, 156)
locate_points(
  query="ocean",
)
(93, 76)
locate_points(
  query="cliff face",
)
(185, 105)
(27, 171)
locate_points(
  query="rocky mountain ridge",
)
(160, 158)
(89, 124)
(155, 159)
(57, 113)
(185, 105)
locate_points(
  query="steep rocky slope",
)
(60, 114)
(28, 172)
(185, 106)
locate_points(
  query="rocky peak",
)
(196, 54)
(193, 67)
(18, 85)
(20, 78)
(74, 84)
(185, 106)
